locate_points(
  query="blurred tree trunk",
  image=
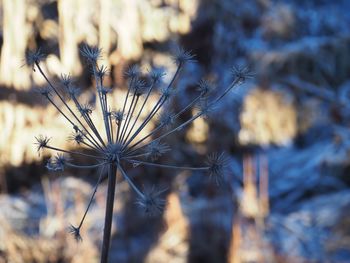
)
(129, 30)
(68, 40)
(104, 26)
(15, 33)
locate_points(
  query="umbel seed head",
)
(217, 163)
(151, 202)
(124, 138)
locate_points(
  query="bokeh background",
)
(285, 196)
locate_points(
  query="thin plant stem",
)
(133, 186)
(233, 84)
(100, 96)
(60, 97)
(72, 123)
(118, 131)
(88, 120)
(72, 152)
(188, 106)
(124, 105)
(91, 198)
(142, 107)
(160, 126)
(128, 123)
(92, 147)
(109, 213)
(128, 117)
(130, 151)
(145, 122)
(154, 110)
(85, 166)
(133, 161)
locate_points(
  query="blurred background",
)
(285, 196)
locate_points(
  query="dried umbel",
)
(122, 142)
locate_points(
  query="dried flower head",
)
(104, 90)
(51, 165)
(85, 109)
(132, 72)
(138, 87)
(45, 92)
(166, 118)
(91, 53)
(242, 73)
(118, 116)
(102, 72)
(156, 149)
(182, 57)
(34, 57)
(216, 166)
(204, 107)
(57, 163)
(75, 231)
(167, 93)
(66, 80)
(41, 142)
(151, 202)
(72, 91)
(205, 87)
(156, 75)
(77, 137)
(124, 139)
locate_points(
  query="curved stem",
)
(85, 166)
(133, 186)
(72, 152)
(167, 165)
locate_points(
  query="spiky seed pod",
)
(72, 91)
(85, 109)
(42, 142)
(167, 93)
(77, 137)
(166, 118)
(118, 116)
(102, 71)
(45, 92)
(75, 231)
(57, 163)
(60, 161)
(91, 53)
(217, 163)
(156, 149)
(66, 80)
(51, 165)
(104, 90)
(242, 73)
(205, 87)
(34, 57)
(132, 72)
(156, 75)
(182, 56)
(151, 202)
(138, 87)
